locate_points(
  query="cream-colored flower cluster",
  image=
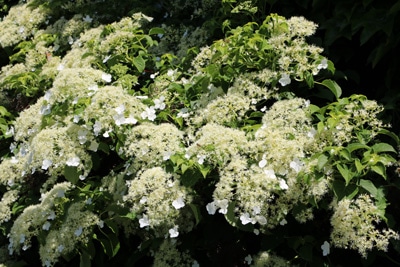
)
(160, 202)
(20, 24)
(6, 202)
(353, 116)
(150, 144)
(355, 225)
(266, 259)
(36, 218)
(261, 175)
(177, 40)
(228, 110)
(168, 255)
(76, 228)
(217, 144)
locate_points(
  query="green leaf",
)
(322, 160)
(380, 169)
(355, 146)
(156, 30)
(306, 252)
(342, 191)
(383, 147)
(359, 165)
(309, 78)
(204, 170)
(85, 260)
(184, 168)
(345, 153)
(139, 63)
(110, 242)
(369, 186)
(314, 108)
(104, 147)
(345, 172)
(196, 212)
(71, 174)
(333, 86)
(331, 67)
(129, 215)
(230, 215)
(390, 134)
(190, 177)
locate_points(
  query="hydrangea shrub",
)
(140, 141)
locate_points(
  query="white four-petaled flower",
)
(87, 19)
(323, 64)
(46, 226)
(106, 77)
(245, 218)
(248, 259)
(78, 231)
(285, 79)
(296, 165)
(46, 164)
(149, 113)
(173, 232)
(326, 248)
(211, 208)
(283, 185)
(73, 162)
(144, 221)
(159, 103)
(178, 203)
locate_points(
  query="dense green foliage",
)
(197, 133)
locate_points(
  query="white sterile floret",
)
(261, 219)
(87, 19)
(73, 162)
(106, 58)
(46, 164)
(200, 159)
(106, 77)
(144, 221)
(60, 248)
(97, 128)
(78, 231)
(149, 113)
(248, 259)
(93, 89)
(183, 113)
(173, 232)
(143, 200)
(211, 208)
(296, 165)
(45, 110)
(323, 64)
(223, 205)
(270, 174)
(285, 79)
(283, 185)
(120, 109)
(60, 67)
(167, 155)
(46, 226)
(325, 248)
(262, 163)
(178, 203)
(245, 219)
(159, 103)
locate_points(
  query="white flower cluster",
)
(354, 226)
(160, 201)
